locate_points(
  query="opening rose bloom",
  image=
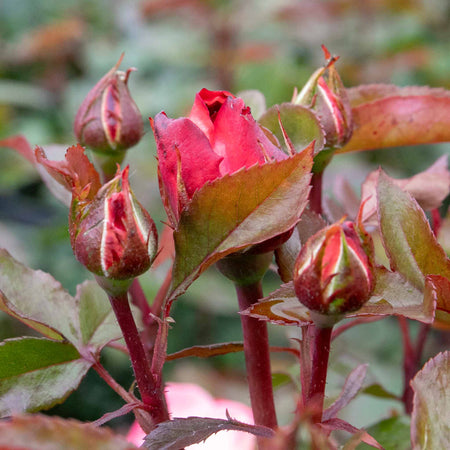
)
(187, 400)
(219, 137)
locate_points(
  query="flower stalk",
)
(257, 360)
(151, 393)
(320, 354)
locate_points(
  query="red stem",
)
(315, 196)
(151, 394)
(320, 355)
(139, 299)
(257, 359)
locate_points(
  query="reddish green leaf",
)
(437, 289)
(239, 210)
(179, 433)
(352, 386)
(37, 374)
(38, 432)
(430, 420)
(394, 295)
(37, 299)
(389, 116)
(206, 351)
(300, 125)
(407, 237)
(281, 307)
(98, 324)
(429, 188)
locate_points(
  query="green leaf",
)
(389, 116)
(179, 433)
(38, 432)
(392, 434)
(37, 373)
(236, 211)
(37, 299)
(430, 419)
(407, 237)
(376, 390)
(97, 321)
(300, 124)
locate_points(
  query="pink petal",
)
(186, 399)
(180, 141)
(239, 139)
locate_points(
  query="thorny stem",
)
(320, 354)
(138, 298)
(315, 196)
(151, 393)
(141, 416)
(257, 359)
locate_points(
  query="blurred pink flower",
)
(186, 399)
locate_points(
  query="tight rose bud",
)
(113, 236)
(325, 94)
(108, 119)
(333, 273)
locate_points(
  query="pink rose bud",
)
(333, 273)
(108, 119)
(219, 137)
(113, 235)
(325, 94)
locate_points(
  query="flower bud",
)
(113, 236)
(333, 273)
(325, 94)
(108, 119)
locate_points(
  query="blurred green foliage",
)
(53, 52)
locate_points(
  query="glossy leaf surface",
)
(37, 374)
(234, 212)
(390, 116)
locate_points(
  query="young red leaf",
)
(389, 116)
(206, 351)
(237, 211)
(352, 386)
(407, 237)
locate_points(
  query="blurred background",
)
(52, 53)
